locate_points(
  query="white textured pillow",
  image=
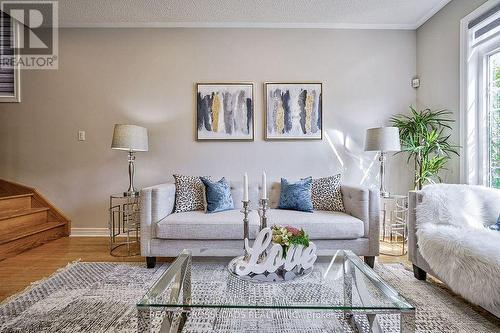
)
(189, 193)
(452, 204)
(326, 194)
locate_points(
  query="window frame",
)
(474, 55)
(487, 108)
(16, 97)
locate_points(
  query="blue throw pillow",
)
(497, 225)
(296, 196)
(218, 195)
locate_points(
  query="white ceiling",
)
(370, 14)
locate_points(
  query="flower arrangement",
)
(287, 236)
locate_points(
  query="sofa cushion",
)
(198, 225)
(237, 194)
(496, 226)
(326, 194)
(273, 193)
(218, 195)
(296, 196)
(320, 224)
(189, 193)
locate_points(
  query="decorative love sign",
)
(263, 257)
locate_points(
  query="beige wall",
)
(147, 77)
(438, 65)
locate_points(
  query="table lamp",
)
(383, 140)
(131, 138)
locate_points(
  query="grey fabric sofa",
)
(165, 234)
(420, 266)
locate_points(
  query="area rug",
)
(101, 297)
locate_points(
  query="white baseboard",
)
(89, 232)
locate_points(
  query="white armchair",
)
(449, 238)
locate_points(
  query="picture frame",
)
(225, 111)
(293, 111)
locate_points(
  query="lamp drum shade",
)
(130, 138)
(382, 139)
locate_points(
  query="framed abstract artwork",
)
(293, 111)
(225, 111)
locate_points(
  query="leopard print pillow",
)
(326, 194)
(189, 193)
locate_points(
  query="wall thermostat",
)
(415, 82)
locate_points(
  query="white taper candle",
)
(245, 187)
(264, 185)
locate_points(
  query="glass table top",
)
(343, 283)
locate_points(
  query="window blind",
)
(7, 75)
(485, 25)
(484, 16)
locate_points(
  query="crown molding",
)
(241, 25)
(431, 13)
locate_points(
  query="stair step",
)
(21, 212)
(18, 234)
(18, 220)
(27, 219)
(15, 202)
(14, 243)
(7, 197)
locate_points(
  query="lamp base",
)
(383, 192)
(131, 194)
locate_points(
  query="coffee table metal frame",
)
(178, 278)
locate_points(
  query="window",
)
(480, 96)
(493, 121)
(9, 75)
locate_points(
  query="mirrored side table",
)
(124, 225)
(394, 217)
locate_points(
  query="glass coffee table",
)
(340, 295)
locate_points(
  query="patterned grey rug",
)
(101, 297)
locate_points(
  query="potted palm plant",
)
(425, 137)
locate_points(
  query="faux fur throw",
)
(454, 239)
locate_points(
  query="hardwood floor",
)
(16, 273)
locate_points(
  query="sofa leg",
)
(370, 261)
(150, 262)
(419, 273)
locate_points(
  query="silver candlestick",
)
(262, 212)
(263, 222)
(245, 210)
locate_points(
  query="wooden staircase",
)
(27, 219)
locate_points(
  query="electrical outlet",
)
(81, 135)
(415, 82)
